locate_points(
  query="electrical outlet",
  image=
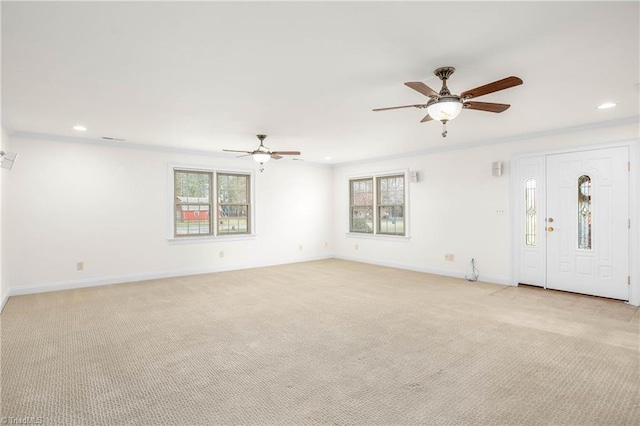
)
(449, 257)
(500, 212)
(80, 266)
(356, 247)
(300, 247)
(326, 244)
(221, 254)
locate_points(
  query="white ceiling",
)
(210, 75)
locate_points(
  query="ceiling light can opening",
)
(79, 128)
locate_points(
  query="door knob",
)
(550, 228)
(550, 220)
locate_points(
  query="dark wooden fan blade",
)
(285, 153)
(505, 83)
(426, 118)
(486, 106)
(276, 156)
(422, 88)
(233, 150)
(404, 106)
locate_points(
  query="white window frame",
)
(171, 237)
(376, 234)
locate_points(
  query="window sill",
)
(211, 239)
(378, 236)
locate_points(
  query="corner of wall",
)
(5, 145)
(4, 291)
(3, 302)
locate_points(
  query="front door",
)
(587, 217)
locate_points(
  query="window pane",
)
(192, 219)
(584, 212)
(391, 220)
(391, 190)
(361, 220)
(362, 192)
(233, 189)
(233, 219)
(192, 197)
(193, 186)
(531, 212)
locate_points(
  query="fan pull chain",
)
(444, 129)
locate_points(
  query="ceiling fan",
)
(262, 154)
(444, 106)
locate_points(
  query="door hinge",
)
(628, 279)
(629, 166)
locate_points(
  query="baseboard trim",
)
(95, 282)
(493, 279)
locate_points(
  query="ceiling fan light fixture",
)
(261, 157)
(445, 109)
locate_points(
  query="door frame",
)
(634, 210)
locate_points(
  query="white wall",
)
(108, 207)
(453, 208)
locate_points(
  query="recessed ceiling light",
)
(606, 105)
(327, 158)
(80, 128)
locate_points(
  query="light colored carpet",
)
(327, 342)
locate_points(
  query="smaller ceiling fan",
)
(444, 106)
(262, 154)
